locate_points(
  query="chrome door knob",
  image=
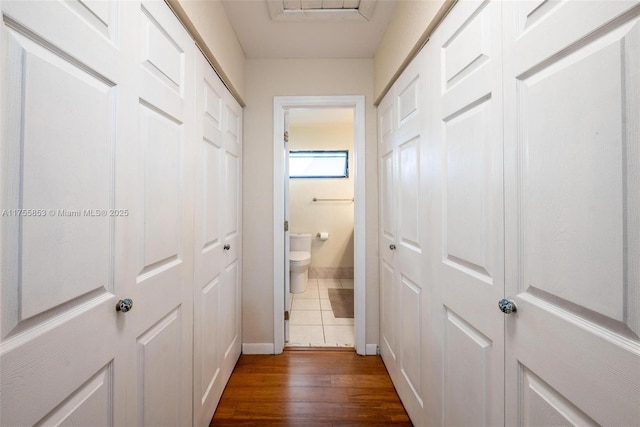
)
(507, 306)
(392, 247)
(124, 305)
(226, 247)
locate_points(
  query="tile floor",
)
(312, 323)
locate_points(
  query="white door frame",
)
(280, 104)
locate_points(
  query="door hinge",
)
(286, 226)
(286, 136)
(286, 315)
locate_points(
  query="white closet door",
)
(387, 234)
(573, 212)
(208, 250)
(68, 141)
(161, 328)
(403, 236)
(467, 252)
(232, 219)
(217, 219)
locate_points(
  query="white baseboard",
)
(268, 348)
(258, 348)
(371, 349)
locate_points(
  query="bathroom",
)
(321, 220)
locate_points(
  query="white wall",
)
(208, 23)
(409, 29)
(265, 79)
(306, 216)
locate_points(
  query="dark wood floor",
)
(310, 388)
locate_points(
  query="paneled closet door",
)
(161, 325)
(208, 251)
(216, 216)
(466, 235)
(68, 147)
(573, 212)
(387, 234)
(232, 220)
(402, 236)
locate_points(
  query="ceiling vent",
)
(321, 10)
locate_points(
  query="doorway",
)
(319, 208)
(282, 107)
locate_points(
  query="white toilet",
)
(299, 261)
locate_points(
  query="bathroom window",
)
(319, 164)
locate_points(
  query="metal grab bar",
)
(315, 199)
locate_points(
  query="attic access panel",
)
(321, 10)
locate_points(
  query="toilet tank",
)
(300, 242)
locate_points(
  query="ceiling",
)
(282, 29)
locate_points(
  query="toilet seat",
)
(299, 256)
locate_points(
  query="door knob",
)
(507, 306)
(226, 247)
(392, 247)
(124, 305)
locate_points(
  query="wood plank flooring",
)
(310, 388)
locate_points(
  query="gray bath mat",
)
(341, 303)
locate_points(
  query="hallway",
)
(311, 388)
